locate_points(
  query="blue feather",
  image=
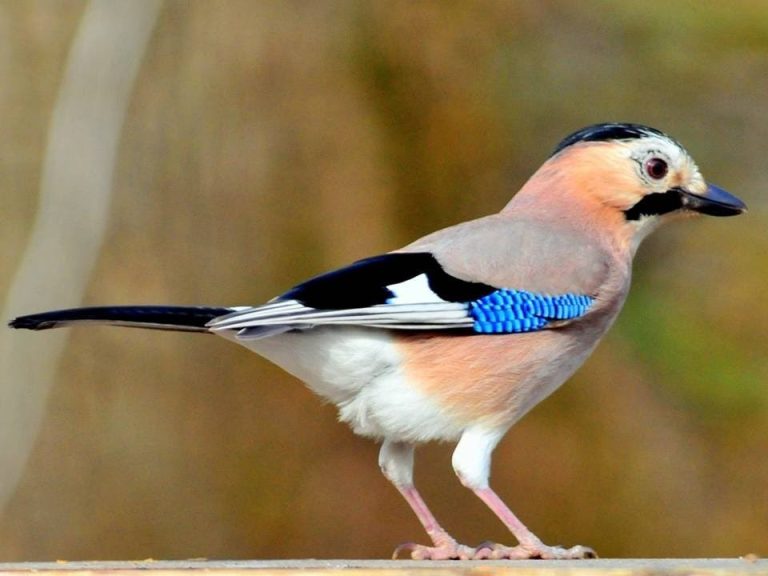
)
(512, 311)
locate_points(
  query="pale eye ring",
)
(656, 168)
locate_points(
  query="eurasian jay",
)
(459, 334)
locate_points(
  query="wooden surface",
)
(619, 567)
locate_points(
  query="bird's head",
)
(632, 176)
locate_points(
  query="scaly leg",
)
(396, 461)
(530, 546)
(472, 463)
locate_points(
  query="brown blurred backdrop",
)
(264, 142)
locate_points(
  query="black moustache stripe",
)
(656, 204)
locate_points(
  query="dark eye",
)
(656, 168)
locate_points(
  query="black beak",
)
(714, 202)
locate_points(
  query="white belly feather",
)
(360, 371)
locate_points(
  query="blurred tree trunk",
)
(73, 212)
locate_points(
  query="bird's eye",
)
(656, 168)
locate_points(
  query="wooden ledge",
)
(608, 567)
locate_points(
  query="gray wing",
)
(486, 275)
(500, 250)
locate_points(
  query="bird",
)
(457, 335)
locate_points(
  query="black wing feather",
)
(365, 282)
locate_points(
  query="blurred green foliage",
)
(268, 141)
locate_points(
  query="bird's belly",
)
(360, 371)
(492, 379)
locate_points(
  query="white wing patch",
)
(413, 291)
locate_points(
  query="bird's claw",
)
(446, 551)
(539, 551)
(493, 551)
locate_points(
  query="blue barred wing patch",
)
(511, 311)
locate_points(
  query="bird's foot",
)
(450, 550)
(535, 550)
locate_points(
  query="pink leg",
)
(436, 532)
(396, 461)
(518, 529)
(530, 546)
(445, 547)
(472, 463)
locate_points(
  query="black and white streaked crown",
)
(609, 131)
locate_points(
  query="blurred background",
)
(190, 152)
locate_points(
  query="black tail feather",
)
(185, 318)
